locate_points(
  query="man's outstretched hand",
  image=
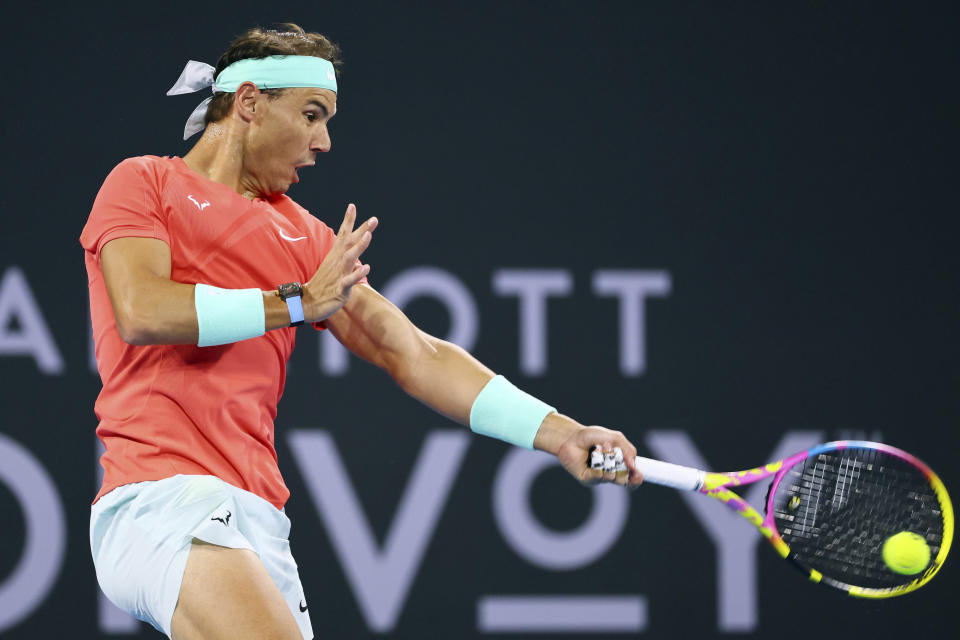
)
(329, 288)
(573, 443)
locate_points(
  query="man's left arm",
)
(448, 379)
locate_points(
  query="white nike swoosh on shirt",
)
(286, 237)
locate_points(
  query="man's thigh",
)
(227, 593)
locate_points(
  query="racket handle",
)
(670, 475)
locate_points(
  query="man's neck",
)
(218, 155)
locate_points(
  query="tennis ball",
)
(906, 553)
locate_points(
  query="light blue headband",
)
(273, 72)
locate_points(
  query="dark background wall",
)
(789, 171)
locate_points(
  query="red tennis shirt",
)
(181, 409)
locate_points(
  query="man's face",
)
(286, 133)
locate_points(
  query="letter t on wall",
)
(533, 287)
(632, 288)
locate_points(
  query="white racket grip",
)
(670, 475)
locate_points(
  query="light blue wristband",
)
(295, 309)
(228, 315)
(504, 412)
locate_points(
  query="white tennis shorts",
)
(140, 536)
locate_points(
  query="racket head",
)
(836, 504)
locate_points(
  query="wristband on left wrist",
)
(505, 412)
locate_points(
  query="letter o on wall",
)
(560, 551)
(445, 287)
(46, 533)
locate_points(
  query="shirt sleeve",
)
(128, 205)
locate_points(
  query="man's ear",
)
(245, 101)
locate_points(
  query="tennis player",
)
(200, 271)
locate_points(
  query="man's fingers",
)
(357, 241)
(620, 467)
(355, 276)
(594, 469)
(609, 466)
(361, 230)
(632, 475)
(614, 464)
(588, 477)
(348, 219)
(352, 254)
(596, 457)
(627, 468)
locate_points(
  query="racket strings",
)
(836, 509)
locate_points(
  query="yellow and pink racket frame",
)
(719, 486)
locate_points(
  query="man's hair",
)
(261, 43)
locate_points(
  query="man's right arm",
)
(149, 307)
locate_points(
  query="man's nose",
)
(321, 141)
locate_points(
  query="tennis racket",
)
(830, 510)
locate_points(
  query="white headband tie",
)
(196, 76)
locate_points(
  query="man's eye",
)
(311, 116)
